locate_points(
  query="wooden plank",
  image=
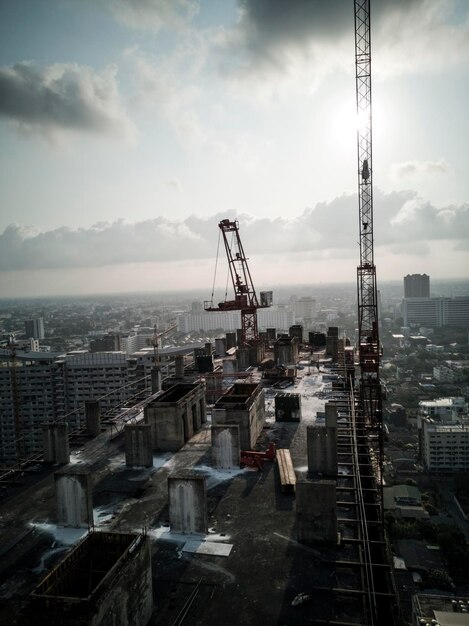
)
(286, 471)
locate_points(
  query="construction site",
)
(243, 489)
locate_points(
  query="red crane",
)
(245, 297)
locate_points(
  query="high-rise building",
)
(34, 328)
(436, 312)
(416, 286)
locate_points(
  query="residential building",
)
(444, 448)
(277, 317)
(436, 312)
(443, 409)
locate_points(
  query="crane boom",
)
(367, 294)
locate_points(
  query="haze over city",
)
(129, 129)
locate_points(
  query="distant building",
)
(34, 328)
(305, 308)
(276, 317)
(436, 312)
(416, 286)
(444, 448)
(444, 409)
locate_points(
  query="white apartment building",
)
(50, 386)
(444, 447)
(436, 312)
(272, 317)
(444, 374)
(444, 409)
(92, 375)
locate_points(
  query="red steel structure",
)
(245, 297)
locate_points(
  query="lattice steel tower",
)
(367, 295)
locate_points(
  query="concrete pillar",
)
(93, 417)
(187, 504)
(138, 445)
(155, 379)
(55, 441)
(225, 447)
(230, 340)
(321, 442)
(220, 346)
(73, 489)
(179, 366)
(331, 415)
(316, 511)
(229, 365)
(242, 357)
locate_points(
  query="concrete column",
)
(73, 490)
(55, 441)
(316, 511)
(230, 340)
(242, 357)
(225, 447)
(179, 366)
(155, 379)
(203, 409)
(93, 417)
(331, 415)
(220, 346)
(187, 504)
(138, 445)
(321, 443)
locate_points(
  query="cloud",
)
(167, 88)
(410, 169)
(61, 98)
(309, 39)
(154, 15)
(329, 230)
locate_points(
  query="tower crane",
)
(369, 348)
(245, 297)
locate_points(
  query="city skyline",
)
(129, 129)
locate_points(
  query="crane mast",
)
(245, 297)
(369, 349)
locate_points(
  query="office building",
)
(34, 328)
(436, 312)
(416, 286)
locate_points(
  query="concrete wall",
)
(331, 415)
(225, 447)
(73, 490)
(55, 441)
(287, 407)
(322, 450)
(138, 446)
(93, 417)
(248, 413)
(187, 504)
(175, 416)
(243, 358)
(155, 379)
(286, 350)
(316, 511)
(123, 596)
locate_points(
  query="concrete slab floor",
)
(266, 568)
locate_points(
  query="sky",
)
(130, 128)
